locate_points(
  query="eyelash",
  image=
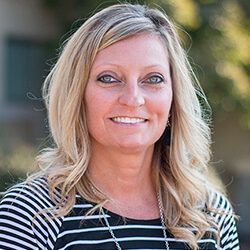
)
(160, 79)
(102, 79)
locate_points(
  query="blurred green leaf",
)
(220, 39)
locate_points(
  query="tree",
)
(220, 38)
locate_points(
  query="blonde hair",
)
(180, 167)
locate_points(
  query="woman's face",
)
(129, 94)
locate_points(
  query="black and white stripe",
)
(25, 226)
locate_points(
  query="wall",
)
(27, 20)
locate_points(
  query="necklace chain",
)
(162, 220)
(162, 223)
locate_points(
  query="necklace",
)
(162, 223)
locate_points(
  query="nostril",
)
(132, 100)
(132, 97)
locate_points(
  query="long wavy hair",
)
(179, 168)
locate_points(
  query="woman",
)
(128, 168)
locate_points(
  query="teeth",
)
(128, 120)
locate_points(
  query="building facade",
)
(26, 30)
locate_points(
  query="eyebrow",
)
(120, 66)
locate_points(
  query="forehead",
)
(142, 49)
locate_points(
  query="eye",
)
(154, 79)
(107, 79)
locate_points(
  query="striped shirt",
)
(23, 227)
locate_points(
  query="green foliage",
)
(15, 161)
(220, 38)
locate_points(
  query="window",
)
(25, 70)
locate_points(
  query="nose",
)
(132, 95)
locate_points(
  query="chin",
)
(134, 146)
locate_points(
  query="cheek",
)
(97, 105)
(93, 119)
(93, 101)
(91, 107)
(163, 105)
(93, 112)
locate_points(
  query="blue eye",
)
(107, 79)
(154, 79)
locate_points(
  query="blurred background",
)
(216, 35)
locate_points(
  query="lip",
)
(128, 120)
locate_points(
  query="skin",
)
(128, 98)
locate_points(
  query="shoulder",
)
(31, 196)
(223, 214)
(219, 202)
(24, 215)
(220, 208)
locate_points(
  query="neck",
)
(126, 179)
(125, 172)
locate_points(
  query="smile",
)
(128, 120)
